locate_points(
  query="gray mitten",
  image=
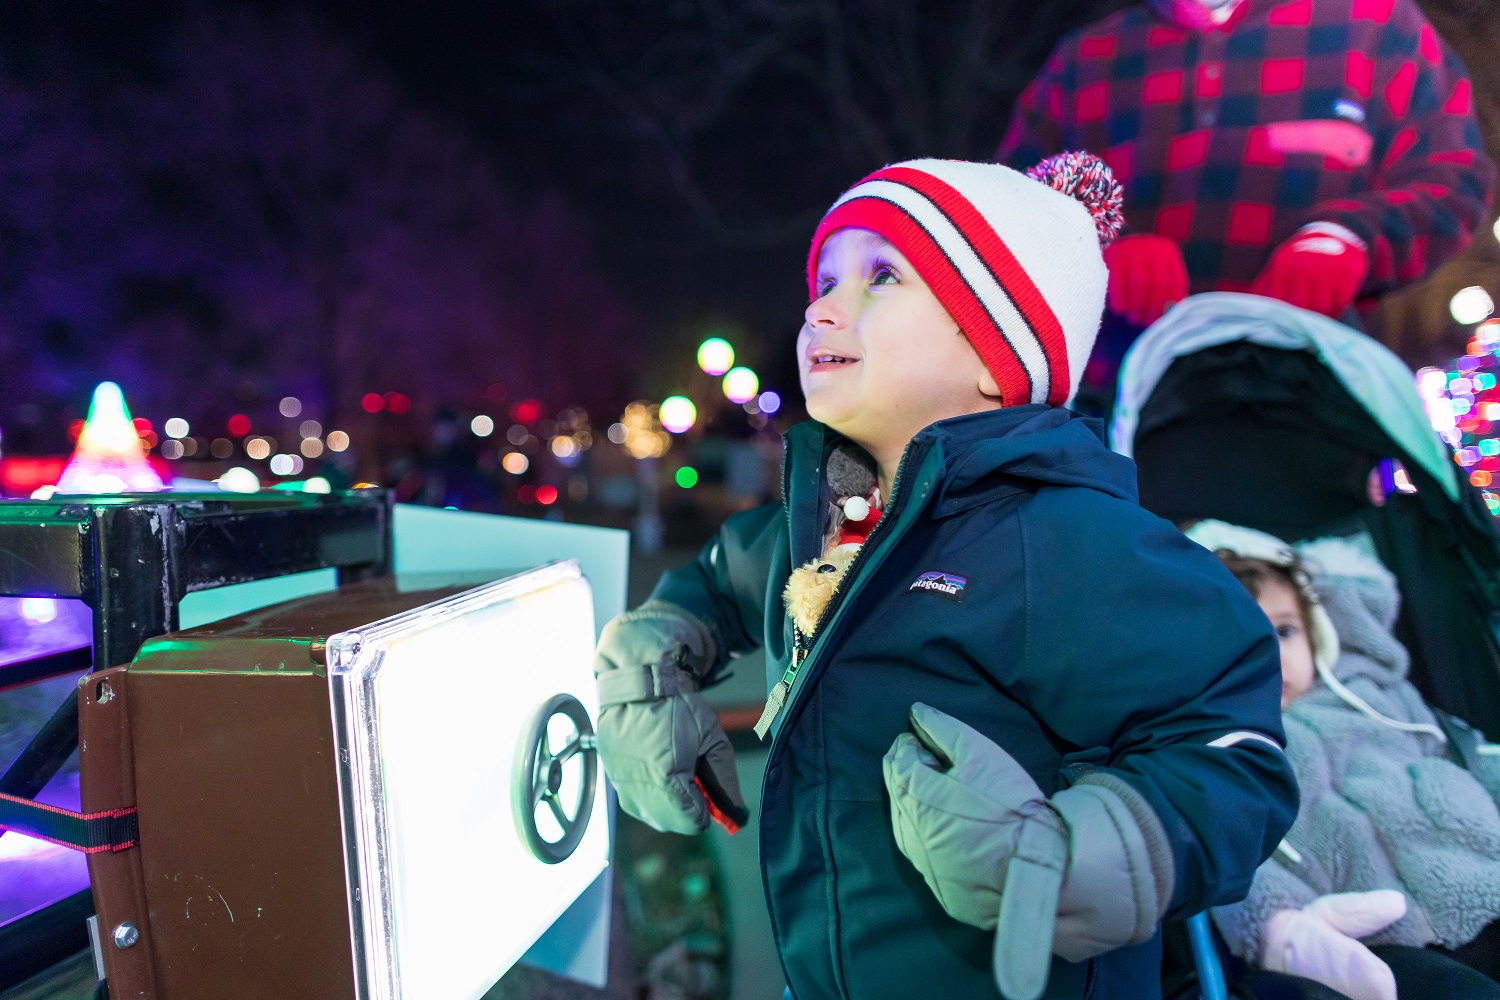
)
(661, 743)
(1080, 874)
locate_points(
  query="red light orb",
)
(397, 402)
(239, 425)
(526, 411)
(373, 402)
(546, 495)
(142, 425)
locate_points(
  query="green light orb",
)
(715, 356)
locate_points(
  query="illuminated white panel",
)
(431, 708)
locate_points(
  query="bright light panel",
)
(432, 709)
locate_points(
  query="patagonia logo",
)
(949, 585)
(1348, 110)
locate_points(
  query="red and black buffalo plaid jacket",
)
(1229, 140)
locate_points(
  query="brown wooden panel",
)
(240, 838)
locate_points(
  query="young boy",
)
(1027, 720)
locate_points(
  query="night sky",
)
(572, 97)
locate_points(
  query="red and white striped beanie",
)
(1015, 258)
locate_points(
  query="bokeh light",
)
(482, 426)
(515, 463)
(564, 447)
(644, 435)
(678, 414)
(172, 449)
(769, 401)
(337, 441)
(373, 402)
(546, 495)
(715, 356)
(176, 428)
(290, 406)
(311, 447)
(221, 448)
(397, 402)
(310, 429)
(317, 484)
(687, 477)
(526, 411)
(286, 465)
(239, 480)
(239, 425)
(1471, 305)
(616, 433)
(741, 385)
(258, 448)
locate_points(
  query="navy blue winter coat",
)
(1086, 633)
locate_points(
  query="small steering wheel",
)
(539, 777)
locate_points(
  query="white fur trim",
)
(1338, 557)
(1247, 543)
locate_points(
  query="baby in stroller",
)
(1248, 411)
(1395, 845)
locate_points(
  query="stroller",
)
(1251, 411)
(1248, 410)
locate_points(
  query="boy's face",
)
(879, 356)
(1278, 599)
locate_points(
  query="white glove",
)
(1319, 942)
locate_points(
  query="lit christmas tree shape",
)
(1463, 404)
(109, 457)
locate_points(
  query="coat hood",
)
(1027, 446)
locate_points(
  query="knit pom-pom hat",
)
(1015, 258)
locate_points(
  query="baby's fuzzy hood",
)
(1361, 598)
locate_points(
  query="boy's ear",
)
(987, 384)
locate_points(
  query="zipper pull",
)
(774, 705)
(777, 698)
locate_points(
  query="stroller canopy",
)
(1245, 409)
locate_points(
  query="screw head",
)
(126, 934)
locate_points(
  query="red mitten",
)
(1146, 277)
(1320, 268)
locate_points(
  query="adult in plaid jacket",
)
(1317, 151)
